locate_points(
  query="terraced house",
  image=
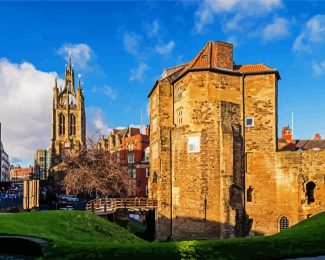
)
(215, 166)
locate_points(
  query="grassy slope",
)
(81, 235)
(65, 228)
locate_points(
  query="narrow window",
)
(194, 144)
(249, 194)
(131, 158)
(180, 116)
(146, 189)
(179, 92)
(61, 124)
(72, 127)
(134, 174)
(284, 223)
(310, 187)
(147, 172)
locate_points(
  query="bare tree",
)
(95, 172)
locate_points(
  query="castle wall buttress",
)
(260, 147)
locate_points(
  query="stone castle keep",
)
(215, 168)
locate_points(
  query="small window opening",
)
(249, 194)
(284, 223)
(310, 187)
(249, 122)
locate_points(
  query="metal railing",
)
(104, 206)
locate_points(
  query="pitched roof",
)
(252, 68)
(207, 59)
(311, 144)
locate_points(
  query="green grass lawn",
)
(81, 235)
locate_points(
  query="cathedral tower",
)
(68, 118)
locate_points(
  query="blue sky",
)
(121, 48)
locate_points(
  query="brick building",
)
(215, 166)
(19, 174)
(130, 148)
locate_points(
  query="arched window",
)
(61, 124)
(72, 127)
(310, 187)
(284, 223)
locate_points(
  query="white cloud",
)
(153, 28)
(138, 72)
(319, 68)
(131, 43)
(276, 30)
(108, 91)
(25, 110)
(165, 48)
(95, 122)
(81, 53)
(312, 34)
(236, 9)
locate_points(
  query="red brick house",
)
(130, 146)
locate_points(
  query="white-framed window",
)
(179, 91)
(193, 144)
(131, 158)
(147, 189)
(118, 156)
(180, 116)
(147, 172)
(131, 146)
(249, 121)
(134, 173)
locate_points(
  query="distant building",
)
(5, 165)
(130, 148)
(19, 174)
(42, 160)
(286, 143)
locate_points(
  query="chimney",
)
(317, 137)
(287, 134)
(223, 55)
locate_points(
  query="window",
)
(310, 187)
(146, 154)
(134, 173)
(180, 116)
(249, 194)
(61, 124)
(146, 189)
(179, 92)
(249, 122)
(118, 156)
(194, 144)
(147, 172)
(284, 223)
(72, 126)
(131, 158)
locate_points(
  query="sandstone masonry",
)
(214, 165)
